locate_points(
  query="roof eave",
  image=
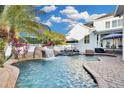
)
(119, 10)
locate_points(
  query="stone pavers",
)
(109, 72)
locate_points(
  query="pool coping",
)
(13, 76)
(96, 77)
(11, 73)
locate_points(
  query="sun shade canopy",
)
(78, 32)
(72, 40)
(112, 36)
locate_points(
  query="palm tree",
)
(15, 19)
(54, 37)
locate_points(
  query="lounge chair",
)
(99, 50)
(89, 52)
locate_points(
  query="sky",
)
(62, 18)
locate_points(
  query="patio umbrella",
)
(112, 36)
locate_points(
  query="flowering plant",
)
(19, 48)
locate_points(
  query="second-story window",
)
(114, 23)
(107, 24)
(120, 22)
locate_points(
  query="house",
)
(106, 25)
(120, 12)
(96, 31)
(81, 32)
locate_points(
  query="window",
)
(107, 24)
(114, 23)
(97, 37)
(87, 39)
(120, 22)
(101, 43)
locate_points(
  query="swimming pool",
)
(57, 72)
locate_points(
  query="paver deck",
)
(109, 72)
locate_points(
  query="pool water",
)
(57, 72)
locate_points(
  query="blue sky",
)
(62, 18)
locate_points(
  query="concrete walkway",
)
(109, 72)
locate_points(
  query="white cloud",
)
(72, 18)
(70, 26)
(66, 20)
(94, 16)
(85, 15)
(49, 8)
(71, 13)
(74, 15)
(60, 20)
(48, 23)
(55, 19)
(69, 10)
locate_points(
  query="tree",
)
(51, 36)
(15, 19)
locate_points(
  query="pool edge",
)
(96, 77)
(11, 73)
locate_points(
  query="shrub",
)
(2, 46)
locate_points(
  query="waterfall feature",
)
(48, 52)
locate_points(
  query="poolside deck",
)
(109, 72)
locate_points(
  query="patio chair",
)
(89, 52)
